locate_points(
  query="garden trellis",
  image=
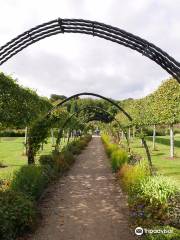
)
(93, 28)
(89, 108)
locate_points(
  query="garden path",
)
(87, 203)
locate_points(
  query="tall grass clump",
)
(118, 158)
(117, 155)
(131, 175)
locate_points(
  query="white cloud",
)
(71, 63)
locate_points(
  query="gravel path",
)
(87, 204)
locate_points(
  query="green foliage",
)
(12, 133)
(55, 98)
(109, 147)
(118, 158)
(156, 189)
(131, 175)
(30, 180)
(153, 199)
(117, 155)
(17, 214)
(76, 146)
(160, 107)
(39, 131)
(13, 111)
(47, 160)
(64, 160)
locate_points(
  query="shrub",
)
(63, 160)
(111, 148)
(76, 146)
(47, 160)
(133, 174)
(156, 188)
(118, 158)
(105, 138)
(31, 180)
(151, 199)
(17, 214)
(12, 133)
(17, 210)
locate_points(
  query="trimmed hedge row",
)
(153, 200)
(18, 212)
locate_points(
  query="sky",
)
(66, 64)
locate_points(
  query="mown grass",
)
(12, 154)
(160, 157)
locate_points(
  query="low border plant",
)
(153, 200)
(18, 198)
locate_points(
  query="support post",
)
(171, 141)
(52, 137)
(154, 137)
(129, 134)
(25, 140)
(148, 154)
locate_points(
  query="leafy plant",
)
(17, 214)
(118, 158)
(30, 180)
(150, 200)
(131, 175)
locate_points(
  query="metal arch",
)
(91, 94)
(80, 110)
(93, 28)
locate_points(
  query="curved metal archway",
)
(91, 94)
(93, 28)
(83, 109)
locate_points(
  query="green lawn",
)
(12, 154)
(160, 157)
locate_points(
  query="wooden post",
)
(30, 153)
(129, 135)
(171, 141)
(141, 138)
(25, 140)
(69, 135)
(122, 135)
(52, 137)
(154, 136)
(148, 154)
(134, 129)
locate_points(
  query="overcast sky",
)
(72, 63)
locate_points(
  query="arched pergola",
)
(93, 28)
(75, 96)
(94, 108)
